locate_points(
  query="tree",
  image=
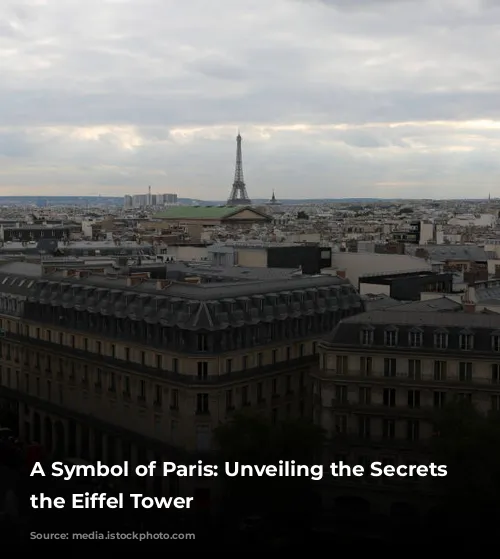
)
(468, 443)
(302, 215)
(251, 440)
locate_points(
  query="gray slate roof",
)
(456, 252)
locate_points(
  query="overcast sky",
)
(333, 98)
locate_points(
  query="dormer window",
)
(391, 337)
(367, 336)
(466, 341)
(415, 338)
(441, 340)
(495, 341)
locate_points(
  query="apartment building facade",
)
(117, 368)
(384, 375)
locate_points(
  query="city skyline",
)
(378, 100)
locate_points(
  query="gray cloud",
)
(113, 95)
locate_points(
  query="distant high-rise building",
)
(138, 201)
(127, 202)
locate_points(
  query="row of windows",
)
(415, 339)
(414, 369)
(364, 427)
(156, 360)
(113, 383)
(413, 398)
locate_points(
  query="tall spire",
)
(239, 195)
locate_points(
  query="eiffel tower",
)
(239, 195)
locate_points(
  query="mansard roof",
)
(189, 306)
(482, 326)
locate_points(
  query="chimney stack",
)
(469, 299)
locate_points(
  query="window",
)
(288, 381)
(112, 382)
(440, 370)
(158, 360)
(98, 347)
(127, 354)
(439, 399)
(302, 381)
(464, 397)
(274, 416)
(202, 370)
(342, 364)
(391, 338)
(341, 396)
(229, 400)
(174, 399)
(203, 438)
(495, 373)
(440, 340)
(364, 427)
(367, 336)
(414, 369)
(260, 360)
(495, 402)
(245, 400)
(301, 350)
(143, 358)
(260, 392)
(389, 397)
(61, 338)
(495, 342)
(415, 338)
(388, 428)
(86, 344)
(288, 353)
(466, 341)
(85, 375)
(413, 399)
(126, 386)
(389, 367)
(98, 378)
(465, 372)
(202, 403)
(142, 390)
(229, 366)
(158, 395)
(244, 362)
(413, 430)
(341, 424)
(113, 350)
(365, 365)
(365, 395)
(274, 388)
(175, 365)
(274, 356)
(202, 342)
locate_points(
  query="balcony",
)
(381, 410)
(124, 366)
(403, 379)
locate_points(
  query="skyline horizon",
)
(260, 200)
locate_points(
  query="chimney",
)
(469, 299)
(136, 279)
(341, 274)
(163, 284)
